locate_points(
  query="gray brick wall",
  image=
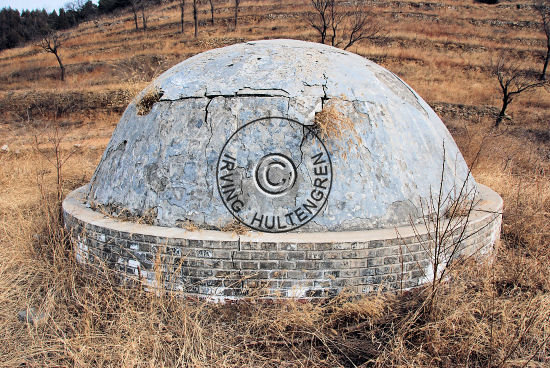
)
(233, 269)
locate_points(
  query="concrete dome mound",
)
(163, 162)
(277, 168)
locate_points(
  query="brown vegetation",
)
(146, 103)
(493, 313)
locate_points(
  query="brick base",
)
(224, 265)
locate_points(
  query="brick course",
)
(222, 265)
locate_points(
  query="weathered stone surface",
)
(162, 158)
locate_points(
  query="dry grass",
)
(235, 227)
(490, 314)
(333, 125)
(146, 103)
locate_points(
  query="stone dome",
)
(326, 155)
(281, 135)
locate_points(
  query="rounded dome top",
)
(281, 135)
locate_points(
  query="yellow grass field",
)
(490, 314)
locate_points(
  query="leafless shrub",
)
(51, 138)
(361, 25)
(445, 220)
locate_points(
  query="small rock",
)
(30, 315)
(92, 148)
(77, 145)
(5, 148)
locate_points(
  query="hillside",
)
(494, 314)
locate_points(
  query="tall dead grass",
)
(489, 314)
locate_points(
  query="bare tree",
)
(237, 3)
(143, 17)
(335, 19)
(182, 12)
(362, 26)
(543, 8)
(195, 18)
(211, 10)
(348, 22)
(513, 81)
(51, 43)
(319, 17)
(137, 7)
(134, 4)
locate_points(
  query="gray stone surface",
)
(163, 161)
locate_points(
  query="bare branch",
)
(196, 17)
(363, 26)
(543, 8)
(346, 22)
(512, 80)
(51, 43)
(143, 16)
(237, 3)
(336, 17)
(211, 10)
(182, 13)
(319, 18)
(134, 4)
